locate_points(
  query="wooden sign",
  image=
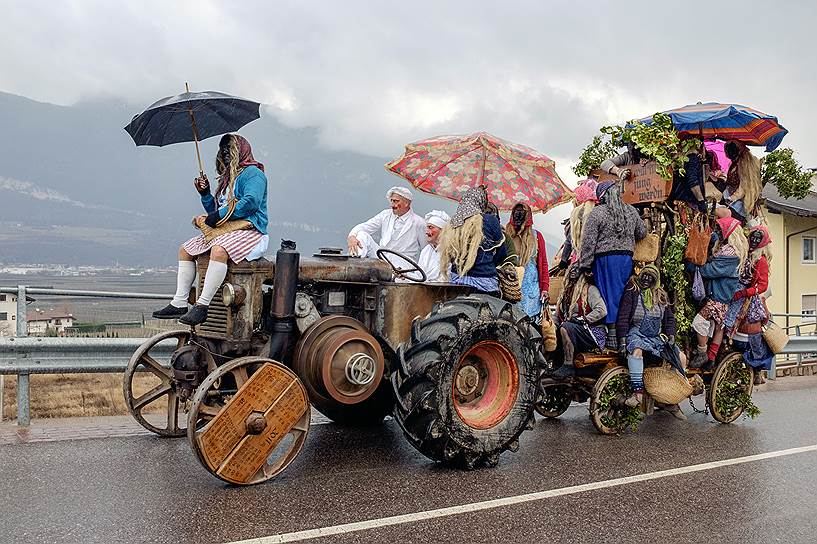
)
(643, 186)
(228, 448)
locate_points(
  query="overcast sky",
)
(372, 76)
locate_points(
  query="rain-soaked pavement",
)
(147, 489)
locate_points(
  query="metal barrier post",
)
(23, 401)
(22, 320)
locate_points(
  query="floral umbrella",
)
(447, 166)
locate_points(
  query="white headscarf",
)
(438, 218)
(400, 191)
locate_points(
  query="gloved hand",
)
(624, 174)
(622, 346)
(739, 295)
(702, 206)
(202, 185)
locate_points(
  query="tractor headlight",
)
(233, 295)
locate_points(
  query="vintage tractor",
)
(602, 377)
(458, 370)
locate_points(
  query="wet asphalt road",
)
(147, 489)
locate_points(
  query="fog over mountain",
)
(74, 189)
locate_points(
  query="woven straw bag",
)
(776, 338)
(510, 282)
(646, 249)
(664, 384)
(548, 330)
(228, 226)
(557, 285)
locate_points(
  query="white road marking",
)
(517, 499)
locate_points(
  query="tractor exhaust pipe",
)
(282, 311)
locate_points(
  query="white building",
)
(39, 321)
(8, 314)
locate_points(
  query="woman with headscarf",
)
(646, 329)
(472, 243)
(580, 314)
(529, 246)
(720, 275)
(608, 240)
(747, 313)
(586, 200)
(743, 184)
(239, 206)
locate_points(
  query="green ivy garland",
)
(732, 395)
(618, 416)
(675, 280)
(593, 155)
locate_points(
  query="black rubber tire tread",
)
(711, 391)
(422, 379)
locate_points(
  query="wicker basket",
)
(510, 282)
(666, 385)
(557, 285)
(775, 337)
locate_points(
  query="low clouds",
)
(372, 76)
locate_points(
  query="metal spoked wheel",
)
(252, 417)
(148, 386)
(553, 399)
(608, 412)
(730, 390)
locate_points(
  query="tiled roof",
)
(776, 203)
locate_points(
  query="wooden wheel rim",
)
(717, 377)
(595, 414)
(239, 369)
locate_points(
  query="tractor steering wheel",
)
(401, 272)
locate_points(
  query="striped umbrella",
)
(447, 166)
(726, 122)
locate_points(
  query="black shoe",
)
(170, 312)
(564, 372)
(196, 315)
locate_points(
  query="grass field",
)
(72, 395)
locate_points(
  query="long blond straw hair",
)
(460, 245)
(738, 241)
(227, 172)
(577, 218)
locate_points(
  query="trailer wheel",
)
(553, 399)
(730, 387)
(608, 412)
(466, 382)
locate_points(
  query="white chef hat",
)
(438, 218)
(399, 191)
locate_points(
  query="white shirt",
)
(430, 263)
(405, 234)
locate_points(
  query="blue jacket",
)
(487, 261)
(721, 278)
(251, 196)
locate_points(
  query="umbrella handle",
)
(195, 133)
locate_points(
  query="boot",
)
(699, 358)
(196, 315)
(758, 378)
(634, 400)
(170, 312)
(674, 410)
(564, 372)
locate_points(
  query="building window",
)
(2, 298)
(808, 308)
(808, 249)
(4, 316)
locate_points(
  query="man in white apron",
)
(398, 227)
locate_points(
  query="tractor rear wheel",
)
(467, 380)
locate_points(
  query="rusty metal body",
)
(358, 288)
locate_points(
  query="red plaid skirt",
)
(238, 244)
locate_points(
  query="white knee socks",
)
(216, 272)
(184, 281)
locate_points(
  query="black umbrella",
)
(190, 117)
